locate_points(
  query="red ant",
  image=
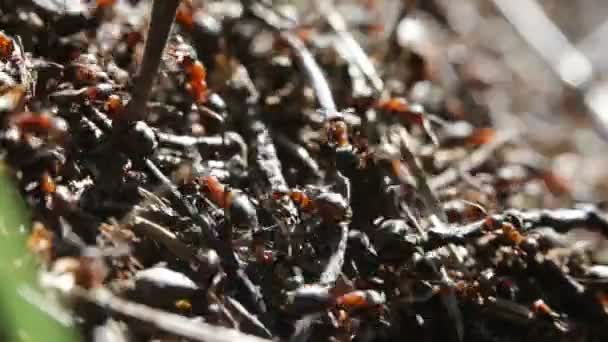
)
(114, 104)
(297, 196)
(105, 3)
(329, 205)
(197, 85)
(185, 15)
(47, 184)
(360, 299)
(242, 212)
(402, 107)
(40, 123)
(411, 113)
(6, 46)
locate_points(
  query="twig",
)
(475, 160)
(266, 161)
(24, 73)
(229, 260)
(450, 302)
(163, 14)
(306, 59)
(190, 209)
(355, 51)
(172, 323)
(302, 329)
(252, 321)
(227, 139)
(299, 152)
(336, 261)
(313, 71)
(561, 220)
(438, 219)
(422, 184)
(329, 276)
(164, 236)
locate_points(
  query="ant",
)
(105, 3)
(409, 112)
(330, 206)
(297, 196)
(42, 123)
(87, 74)
(195, 71)
(242, 211)
(197, 85)
(185, 15)
(6, 46)
(114, 105)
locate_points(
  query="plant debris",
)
(253, 171)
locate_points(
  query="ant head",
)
(186, 60)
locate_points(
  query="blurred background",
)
(538, 66)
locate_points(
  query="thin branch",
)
(246, 317)
(307, 61)
(561, 220)
(422, 184)
(303, 329)
(313, 71)
(172, 323)
(336, 261)
(355, 51)
(475, 160)
(299, 152)
(163, 14)
(328, 277)
(164, 236)
(231, 263)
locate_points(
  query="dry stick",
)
(163, 14)
(336, 261)
(225, 140)
(438, 216)
(327, 103)
(592, 47)
(270, 17)
(245, 316)
(438, 219)
(299, 152)
(268, 165)
(561, 220)
(164, 236)
(205, 222)
(267, 161)
(190, 209)
(172, 323)
(424, 190)
(475, 160)
(329, 276)
(319, 84)
(302, 329)
(313, 71)
(355, 51)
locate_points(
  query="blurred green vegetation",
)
(19, 320)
